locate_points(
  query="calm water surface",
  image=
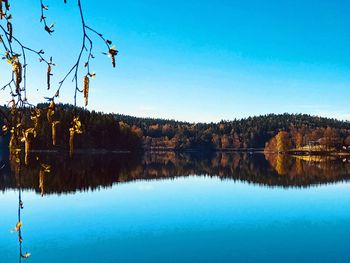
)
(169, 208)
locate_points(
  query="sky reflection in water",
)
(186, 219)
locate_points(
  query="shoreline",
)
(199, 151)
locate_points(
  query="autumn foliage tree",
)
(280, 143)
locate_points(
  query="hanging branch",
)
(15, 53)
(9, 56)
(47, 28)
(18, 88)
(86, 45)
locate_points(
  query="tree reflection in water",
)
(86, 172)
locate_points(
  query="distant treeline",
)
(252, 132)
(121, 132)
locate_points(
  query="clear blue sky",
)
(202, 60)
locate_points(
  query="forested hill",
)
(252, 132)
(122, 132)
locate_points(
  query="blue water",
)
(191, 219)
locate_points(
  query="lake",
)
(168, 207)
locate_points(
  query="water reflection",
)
(16, 167)
(92, 171)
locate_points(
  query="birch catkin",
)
(86, 89)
